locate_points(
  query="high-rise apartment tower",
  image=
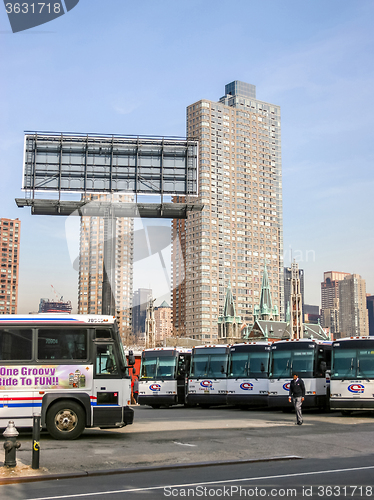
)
(10, 237)
(91, 266)
(353, 314)
(240, 227)
(330, 300)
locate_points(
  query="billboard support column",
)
(108, 300)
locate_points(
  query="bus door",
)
(183, 369)
(108, 387)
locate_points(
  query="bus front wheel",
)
(65, 420)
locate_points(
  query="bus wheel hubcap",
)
(66, 420)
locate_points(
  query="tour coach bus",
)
(207, 383)
(310, 359)
(70, 369)
(352, 374)
(163, 375)
(247, 382)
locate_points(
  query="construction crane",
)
(60, 299)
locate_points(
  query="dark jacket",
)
(297, 388)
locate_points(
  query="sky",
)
(114, 66)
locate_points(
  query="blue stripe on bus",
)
(20, 405)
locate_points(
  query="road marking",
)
(184, 444)
(170, 486)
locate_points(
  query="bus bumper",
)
(253, 401)
(351, 404)
(164, 400)
(207, 399)
(109, 418)
(309, 402)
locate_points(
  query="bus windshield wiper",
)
(360, 371)
(287, 366)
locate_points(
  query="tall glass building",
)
(240, 227)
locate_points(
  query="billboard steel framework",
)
(95, 164)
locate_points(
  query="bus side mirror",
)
(131, 359)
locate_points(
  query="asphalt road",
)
(308, 478)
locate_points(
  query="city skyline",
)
(316, 67)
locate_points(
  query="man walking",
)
(136, 389)
(297, 394)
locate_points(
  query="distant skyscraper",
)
(10, 230)
(370, 308)
(163, 319)
(287, 286)
(241, 225)
(140, 302)
(91, 266)
(353, 314)
(330, 300)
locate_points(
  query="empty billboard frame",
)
(93, 163)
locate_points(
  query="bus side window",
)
(105, 360)
(15, 344)
(60, 344)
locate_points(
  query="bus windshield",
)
(286, 362)
(249, 364)
(155, 367)
(209, 365)
(353, 363)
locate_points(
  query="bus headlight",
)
(336, 395)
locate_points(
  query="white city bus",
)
(310, 359)
(207, 382)
(352, 374)
(247, 382)
(163, 375)
(70, 369)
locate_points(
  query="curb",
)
(149, 468)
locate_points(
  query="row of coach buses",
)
(248, 374)
(69, 369)
(338, 374)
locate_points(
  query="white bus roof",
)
(57, 319)
(179, 349)
(346, 339)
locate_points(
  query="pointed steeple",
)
(229, 308)
(265, 300)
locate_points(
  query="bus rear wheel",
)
(65, 420)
